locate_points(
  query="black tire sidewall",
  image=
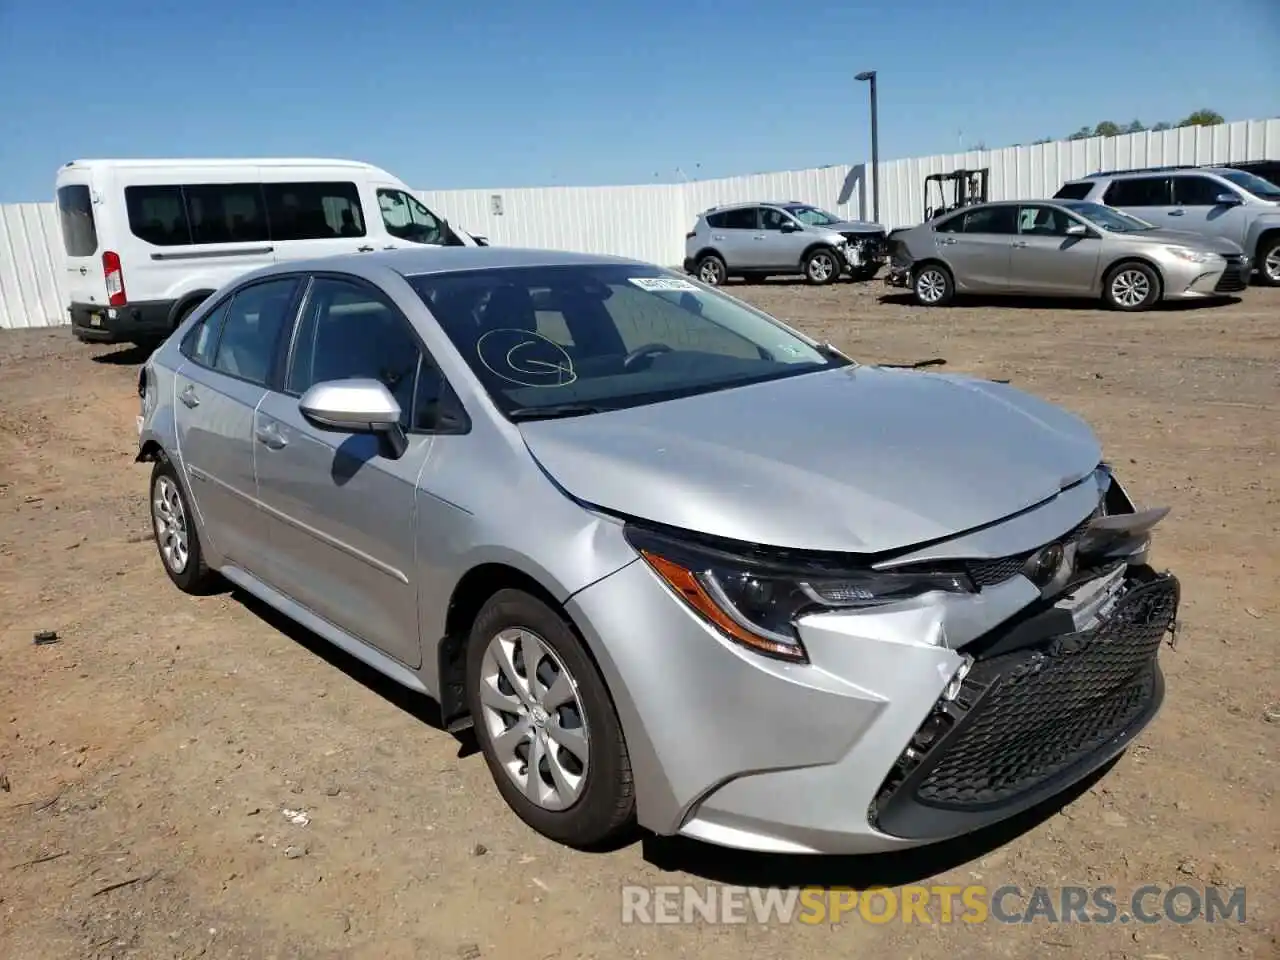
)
(721, 269)
(195, 574)
(606, 805)
(836, 268)
(1153, 296)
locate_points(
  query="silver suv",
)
(758, 240)
(1213, 201)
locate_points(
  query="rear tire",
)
(1132, 287)
(932, 285)
(559, 710)
(175, 533)
(1268, 262)
(711, 270)
(822, 266)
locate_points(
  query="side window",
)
(744, 219)
(405, 217)
(75, 212)
(348, 331)
(314, 211)
(1139, 192)
(251, 330)
(202, 339)
(717, 221)
(1041, 221)
(226, 213)
(158, 215)
(773, 219)
(998, 220)
(953, 225)
(1198, 191)
(1073, 191)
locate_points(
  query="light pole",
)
(870, 77)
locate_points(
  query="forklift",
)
(964, 186)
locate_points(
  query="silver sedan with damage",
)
(1062, 248)
(676, 563)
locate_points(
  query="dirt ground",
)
(147, 757)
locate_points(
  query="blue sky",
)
(512, 93)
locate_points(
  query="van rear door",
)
(86, 283)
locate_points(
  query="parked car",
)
(676, 562)
(147, 240)
(1062, 248)
(1211, 201)
(757, 240)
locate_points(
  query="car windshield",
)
(1109, 218)
(564, 340)
(1263, 189)
(812, 216)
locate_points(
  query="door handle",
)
(364, 249)
(269, 436)
(84, 271)
(390, 246)
(947, 240)
(1177, 213)
(760, 236)
(1019, 243)
(717, 236)
(189, 397)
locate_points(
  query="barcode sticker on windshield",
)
(663, 284)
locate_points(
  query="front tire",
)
(1269, 262)
(1132, 287)
(546, 723)
(822, 266)
(175, 533)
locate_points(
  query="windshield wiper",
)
(556, 411)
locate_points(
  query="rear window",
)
(75, 212)
(1073, 191)
(1139, 192)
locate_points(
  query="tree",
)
(1203, 118)
(1135, 127)
(1162, 126)
(1107, 129)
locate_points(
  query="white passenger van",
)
(148, 240)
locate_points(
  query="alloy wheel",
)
(1271, 265)
(931, 285)
(170, 519)
(821, 267)
(1130, 288)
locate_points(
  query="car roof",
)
(1151, 172)
(429, 259)
(752, 203)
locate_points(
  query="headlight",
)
(1193, 256)
(755, 601)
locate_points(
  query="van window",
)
(314, 211)
(75, 211)
(226, 213)
(405, 217)
(157, 215)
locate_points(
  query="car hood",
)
(853, 226)
(861, 459)
(1200, 241)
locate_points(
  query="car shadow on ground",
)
(130, 355)
(419, 707)
(974, 301)
(743, 868)
(704, 860)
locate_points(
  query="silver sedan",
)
(1062, 248)
(678, 564)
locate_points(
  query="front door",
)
(407, 221)
(782, 249)
(1196, 200)
(229, 358)
(340, 509)
(1047, 261)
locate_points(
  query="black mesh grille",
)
(988, 573)
(1235, 278)
(1036, 714)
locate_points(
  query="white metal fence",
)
(648, 221)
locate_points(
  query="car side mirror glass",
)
(1227, 199)
(1077, 230)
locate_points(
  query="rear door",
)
(734, 234)
(85, 281)
(1148, 198)
(978, 246)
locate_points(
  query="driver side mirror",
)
(1077, 230)
(1227, 200)
(790, 226)
(356, 406)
